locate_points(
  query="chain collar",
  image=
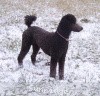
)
(62, 37)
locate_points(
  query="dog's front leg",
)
(53, 65)
(61, 67)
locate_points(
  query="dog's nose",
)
(81, 28)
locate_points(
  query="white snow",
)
(82, 66)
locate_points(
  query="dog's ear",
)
(69, 18)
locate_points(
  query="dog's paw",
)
(19, 67)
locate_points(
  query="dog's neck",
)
(66, 39)
(63, 33)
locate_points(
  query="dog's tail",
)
(29, 19)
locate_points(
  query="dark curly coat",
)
(53, 44)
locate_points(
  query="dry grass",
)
(80, 7)
(77, 7)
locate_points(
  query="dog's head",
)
(69, 22)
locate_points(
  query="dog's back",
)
(42, 38)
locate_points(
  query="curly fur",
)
(51, 43)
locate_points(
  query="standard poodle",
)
(55, 44)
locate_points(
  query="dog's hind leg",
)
(35, 51)
(26, 44)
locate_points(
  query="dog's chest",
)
(58, 48)
(54, 47)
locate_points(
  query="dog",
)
(54, 44)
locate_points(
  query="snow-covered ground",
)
(82, 66)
